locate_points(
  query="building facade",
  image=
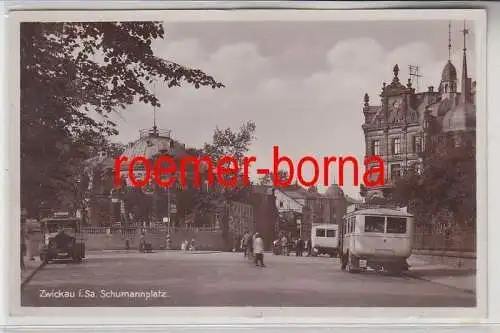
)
(407, 123)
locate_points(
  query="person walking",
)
(250, 245)
(259, 250)
(245, 244)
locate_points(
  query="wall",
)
(443, 234)
(205, 240)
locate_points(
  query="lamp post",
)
(299, 226)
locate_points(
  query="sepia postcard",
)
(248, 163)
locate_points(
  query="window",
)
(396, 225)
(376, 147)
(395, 171)
(320, 232)
(330, 233)
(374, 224)
(396, 146)
(353, 224)
(281, 204)
(416, 144)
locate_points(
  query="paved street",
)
(226, 279)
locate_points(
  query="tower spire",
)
(465, 78)
(449, 41)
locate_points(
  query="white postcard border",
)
(209, 315)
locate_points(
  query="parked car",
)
(61, 239)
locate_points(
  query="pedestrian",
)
(244, 242)
(259, 250)
(284, 246)
(250, 244)
(309, 247)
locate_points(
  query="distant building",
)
(108, 205)
(301, 208)
(408, 124)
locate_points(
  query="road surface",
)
(226, 279)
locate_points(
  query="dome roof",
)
(151, 143)
(460, 118)
(334, 191)
(449, 72)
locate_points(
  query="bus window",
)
(374, 224)
(320, 232)
(396, 225)
(330, 233)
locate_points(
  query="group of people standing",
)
(253, 248)
(284, 246)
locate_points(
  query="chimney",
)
(431, 89)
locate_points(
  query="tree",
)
(268, 179)
(226, 142)
(68, 72)
(265, 180)
(448, 183)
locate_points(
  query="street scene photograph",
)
(249, 163)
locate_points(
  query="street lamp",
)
(299, 226)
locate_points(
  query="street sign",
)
(166, 220)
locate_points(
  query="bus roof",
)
(381, 211)
(326, 225)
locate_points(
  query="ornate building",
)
(407, 123)
(107, 205)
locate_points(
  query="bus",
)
(376, 237)
(324, 239)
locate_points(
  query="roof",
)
(153, 143)
(449, 72)
(326, 225)
(334, 191)
(381, 211)
(352, 200)
(262, 189)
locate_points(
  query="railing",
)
(137, 229)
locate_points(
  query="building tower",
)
(448, 85)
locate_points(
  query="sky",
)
(302, 83)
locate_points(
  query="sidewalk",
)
(459, 278)
(30, 268)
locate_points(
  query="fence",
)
(461, 240)
(132, 230)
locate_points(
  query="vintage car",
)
(62, 239)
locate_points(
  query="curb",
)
(154, 251)
(32, 274)
(409, 274)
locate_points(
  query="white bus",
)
(325, 239)
(379, 238)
